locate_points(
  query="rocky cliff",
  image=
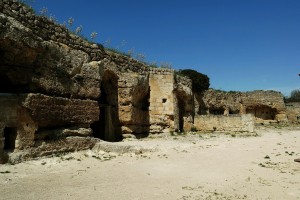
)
(60, 92)
(59, 88)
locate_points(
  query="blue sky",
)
(240, 44)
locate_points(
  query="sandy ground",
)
(209, 166)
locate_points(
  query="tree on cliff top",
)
(200, 81)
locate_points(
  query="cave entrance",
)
(180, 111)
(10, 136)
(262, 112)
(108, 127)
(140, 110)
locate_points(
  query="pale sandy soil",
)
(191, 167)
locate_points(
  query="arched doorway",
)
(9, 135)
(108, 127)
(140, 110)
(179, 111)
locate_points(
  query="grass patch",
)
(117, 51)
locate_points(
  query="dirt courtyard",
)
(199, 166)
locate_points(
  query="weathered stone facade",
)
(161, 109)
(293, 112)
(232, 123)
(266, 106)
(29, 118)
(60, 93)
(57, 86)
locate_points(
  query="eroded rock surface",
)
(60, 92)
(264, 105)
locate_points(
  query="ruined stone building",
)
(293, 112)
(264, 105)
(61, 93)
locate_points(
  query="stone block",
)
(49, 111)
(235, 123)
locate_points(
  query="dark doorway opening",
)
(140, 110)
(181, 108)
(262, 112)
(217, 111)
(233, 112)
(179, 112)
(108, 127)
(10, 136)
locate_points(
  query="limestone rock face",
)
(264, 98)
(264, 105)
(232, 123)
(27, 116)
(46, 66)
(49, 111)
(69, 144)
(134, 103)
(293, 112)
(58, 90)
(161, 109)
(183, 104)
(220, 102)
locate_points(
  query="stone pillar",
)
(226, 111)
(26, 129)
(242, 109)
(109, 134)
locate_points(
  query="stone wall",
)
(293, 112)
(48, 30)
(134, 93)
(264, 105)
(184, 107)
(64, 89)
(231, 123)
(221, 102)
(268, 105)
(28, 118)
(161, 109)
(9, 104)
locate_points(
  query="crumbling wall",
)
(28, 119)
(293, 112)
(231, 123)
(71, 89)
(184, 108)
(134, 94)
(264, 105)
(220, 102)
(8, 119)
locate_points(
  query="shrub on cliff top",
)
(200, 81)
